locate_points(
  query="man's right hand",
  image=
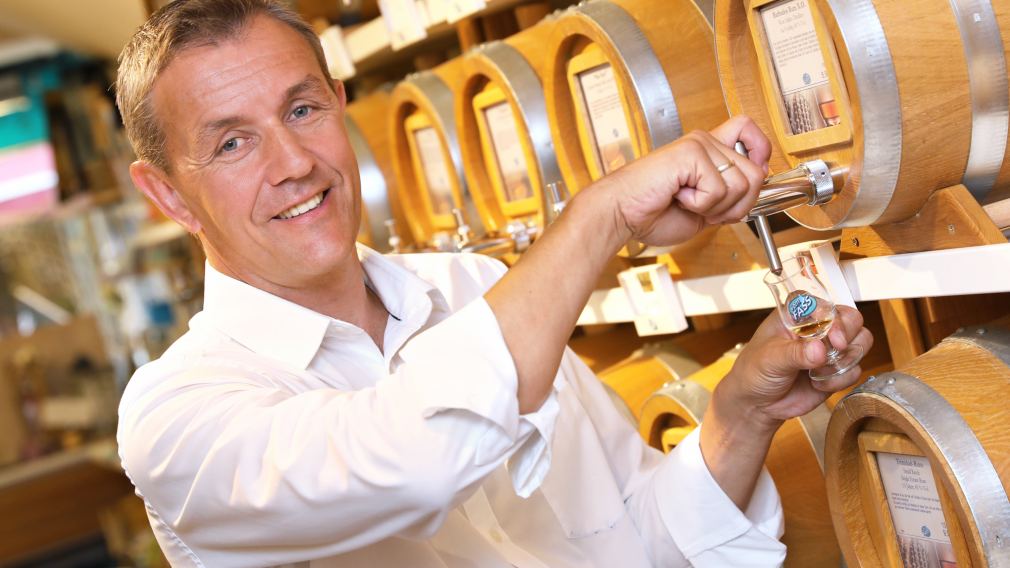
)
(670, 195)
(664, 198)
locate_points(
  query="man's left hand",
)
(769, 378)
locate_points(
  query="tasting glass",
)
(806, 310)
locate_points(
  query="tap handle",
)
(555, 198)
(462, 237)
(394, 237)
(764, 230)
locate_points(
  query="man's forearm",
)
(734, 443)
(538, 302)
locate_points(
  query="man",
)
(334, 407)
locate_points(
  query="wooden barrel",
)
(795, 460)
(918, 460)
(646, 370)
(1001, 190)
(623, 77)
(887, 93)
(671, 412)
(426, 154)
(504, 133)
(368, 132)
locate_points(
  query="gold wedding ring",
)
(726, 166)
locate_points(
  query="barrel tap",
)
(810, 183)
(462, 236)
(395, 242)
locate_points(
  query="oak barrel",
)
(918, 459)
(368, 131)
(900, 98)
(623, 77)
(426, 154)
(646, 370)
(504, 133)
(795, 460)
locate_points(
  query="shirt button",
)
(496, 536)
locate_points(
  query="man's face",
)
(260, 162)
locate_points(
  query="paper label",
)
(915, 511)
(436, 11)
(654, 300)
(404, 22)
(799, 66)
(338, 59)
(436, 173)
(456, 10)
(508, 151)
(608, 126)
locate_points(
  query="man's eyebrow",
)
(211, 129)
(308, 84)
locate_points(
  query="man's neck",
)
(342, 296)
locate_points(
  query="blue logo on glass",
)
(806, 78)
(801, 306)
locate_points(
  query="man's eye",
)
(301, 112)
(231, 145)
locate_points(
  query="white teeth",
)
(303, 207)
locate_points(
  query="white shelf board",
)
(369, 44)
(954, 272)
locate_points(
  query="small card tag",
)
(830, 274)
(436, 10)
(404, 22)
(339, 61)
(456, 10)
(654, 300)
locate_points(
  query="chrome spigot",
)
(462, 236)
(555, 197)
(394, 238)
(520, 234)
(809, 183)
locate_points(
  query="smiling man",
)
(334, 407)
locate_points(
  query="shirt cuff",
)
(686, 486)
(476, 373)
(529, 465)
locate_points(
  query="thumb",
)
(793, 355)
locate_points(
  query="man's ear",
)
(338, 88)
(154, 183)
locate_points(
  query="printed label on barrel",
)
(916, 512)
(610, 131)
(801, 306)
(799, 65)
(436, 173)
(508, 152)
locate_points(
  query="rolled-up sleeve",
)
(707, 527)
(239, 468)
(481, 370)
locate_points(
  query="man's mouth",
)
(303, 207)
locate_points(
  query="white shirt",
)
(270, 434)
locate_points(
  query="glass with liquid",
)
(805, 309)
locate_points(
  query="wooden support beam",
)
(904, 334)
(950, 219)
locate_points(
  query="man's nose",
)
(289, 158)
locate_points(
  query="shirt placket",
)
(478, 510)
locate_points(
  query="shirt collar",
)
(291, 333)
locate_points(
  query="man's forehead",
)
(261, 44)
(266, 59)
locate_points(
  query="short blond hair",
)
(180, 25)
